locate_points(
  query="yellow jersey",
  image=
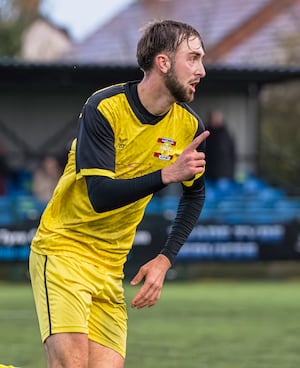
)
(119, 139)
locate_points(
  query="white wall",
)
(37, 116)
(241, 115)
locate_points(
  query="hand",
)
(154, 273)
(189, 163)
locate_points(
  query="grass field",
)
(196, 324)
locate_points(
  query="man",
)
(220, 149)
(134, 139)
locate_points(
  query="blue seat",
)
(154, 206)
(6, 218)
(27, 207)
(6, 210)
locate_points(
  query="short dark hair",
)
(159, 36)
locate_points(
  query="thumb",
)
(137, 278)
(198, 140)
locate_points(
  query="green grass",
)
(194, 325)
(20, 340)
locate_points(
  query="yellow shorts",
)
(75, 296)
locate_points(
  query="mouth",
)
(194, 85)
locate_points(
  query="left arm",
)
(154, 271)
(189, 209)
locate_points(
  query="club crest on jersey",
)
(122, 143)
(166, 149)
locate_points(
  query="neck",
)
(154, 96)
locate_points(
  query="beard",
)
(177, 90)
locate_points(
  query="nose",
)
(201, 70)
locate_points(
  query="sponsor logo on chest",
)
(166, 149)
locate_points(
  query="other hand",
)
(154, 273)
(189, 163)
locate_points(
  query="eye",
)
(195, 58)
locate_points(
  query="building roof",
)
(31, 75)
(253, 32)
(276, 41)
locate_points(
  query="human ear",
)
(163, 62)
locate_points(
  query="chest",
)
(144, 148)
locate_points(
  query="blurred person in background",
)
(45, 178)
(134, 139)
(220, 149)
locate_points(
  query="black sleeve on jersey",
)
(201, 129)
(201, 126)
(107, 194)
(95, 142)
(189, 209)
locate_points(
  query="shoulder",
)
(105, 93)
(193, 115)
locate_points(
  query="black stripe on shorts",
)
(47, 296)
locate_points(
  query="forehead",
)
(191, 45)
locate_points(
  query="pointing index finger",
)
(198, 140)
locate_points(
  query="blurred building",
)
(254, 35)
(239, 33)
(43, 41)
(248, 46)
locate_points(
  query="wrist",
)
(165, 260)
(165, 176)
